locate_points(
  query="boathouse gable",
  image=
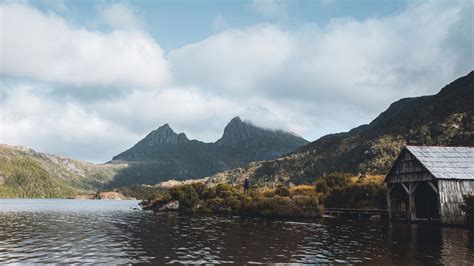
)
(428, 183)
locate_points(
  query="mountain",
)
(163, 154)
(446, 118)
(25, 173)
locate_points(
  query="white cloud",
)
(362, 64)
(32, 119)
(121, 16)
(183, 108)
(47, 48)
(308, 79)
(274, 9)
(234, 60)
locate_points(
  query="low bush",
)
(223, 198)
(282, 191)
(369, 195)
(186, 195)
(325, 184)
(303, 190)
(225, 190)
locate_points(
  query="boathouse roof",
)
(446, 162)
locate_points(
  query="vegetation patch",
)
(308, 200)
(223, 198)
(343, 191)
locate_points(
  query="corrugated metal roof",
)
(446, 162)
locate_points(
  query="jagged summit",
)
(236, 119)
(170, 155)
(163, 135)
(237, 132)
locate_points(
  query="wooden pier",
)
(360, 213)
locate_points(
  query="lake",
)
(94, 231)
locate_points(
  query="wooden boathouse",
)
(427, 183)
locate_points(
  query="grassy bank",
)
(335, 191)
(300, 201)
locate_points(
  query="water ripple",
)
(111, 232)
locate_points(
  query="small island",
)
(279, 201)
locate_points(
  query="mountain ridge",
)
(163, 154)
(26, 173)
(445, 118)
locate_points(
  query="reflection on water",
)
(74, 231)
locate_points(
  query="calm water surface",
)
(87, 231)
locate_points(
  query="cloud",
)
(234, 60)
(90, 94)
(273, 9)
(364, 65)
(121, 16)
(97, 130)
(31, 118)
(46, 47)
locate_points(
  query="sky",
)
(88, 79)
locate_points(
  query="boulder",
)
(170, 206)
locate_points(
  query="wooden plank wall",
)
(450, 193)
(408, 169)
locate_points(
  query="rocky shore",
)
(297, 202)
(109, 195)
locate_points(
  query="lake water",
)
(88, 231)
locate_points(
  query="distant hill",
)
(446, 118)
(161, 155)
(164, 154)
(25, 173)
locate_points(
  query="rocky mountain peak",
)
(170, 155)
(182, 138)
(238, 131)
(236, 120)
(162, 135)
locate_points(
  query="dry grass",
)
(303, 190)
(368, 179)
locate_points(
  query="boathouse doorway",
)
(426, 202)
(399, 203)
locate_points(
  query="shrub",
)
(226, 199)
(186, 195)
(325, 184)
(155, 201)
(308, 205)
(200, 188)
(233, 204)
(276, 206)
(224, 190)
(357, 196)
(303, 190)
(208, 193)
(267, 193)
(282, 191)
(215, 204)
